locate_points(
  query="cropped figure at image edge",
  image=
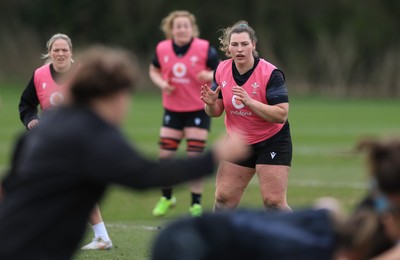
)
(62, 168)
(47, 89)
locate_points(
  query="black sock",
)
(196, 198)
(167, 193)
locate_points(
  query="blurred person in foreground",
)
(62, 168)
(253, 94)
(47, 88)
(311, 234)
(384, 163)
(181, 65)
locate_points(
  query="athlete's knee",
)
(273, 202)
(170, 144)
(194, 145)
(226, 200)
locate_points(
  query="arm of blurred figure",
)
(112, 160)
(28, 104)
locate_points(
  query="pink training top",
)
(49, 93)
(181, 72)
(239, 118)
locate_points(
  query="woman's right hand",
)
(167, 88)
(33, 124)
(209, 96)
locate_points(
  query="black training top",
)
(29, 102)
(276, 88)
(212, 58)
(61, 169)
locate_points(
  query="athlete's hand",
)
(209, 96)
(231, 149)
(33, 124)
(167, 88)
(205, 75)
(241, 95)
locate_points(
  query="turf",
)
(324, 132)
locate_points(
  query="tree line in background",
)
(333, 47)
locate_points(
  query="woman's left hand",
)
(241, 95)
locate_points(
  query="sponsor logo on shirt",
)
(56, 99)
(44, 85)
(236, 103)
(179, 70)
(241, 113)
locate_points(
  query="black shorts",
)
(180, 120)
(276, 150)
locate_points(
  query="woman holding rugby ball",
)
(47, 89)
(182, 64)
(253, 94)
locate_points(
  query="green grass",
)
(324, 131)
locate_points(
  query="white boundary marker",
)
(326, 184)
(133, 227)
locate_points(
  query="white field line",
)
(133, 227)
(325, 184)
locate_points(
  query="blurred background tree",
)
(332, 47)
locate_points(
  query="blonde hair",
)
(239, 27)
(167, 22)
(50, 42)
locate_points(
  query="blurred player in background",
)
(47, 89)
(182, 64)
(62, 168)
(253, 94)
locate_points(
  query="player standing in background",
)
(182, 64)
(47, 89)
(254, 96)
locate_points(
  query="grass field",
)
(324, 133)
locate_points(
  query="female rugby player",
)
(47, 89)
(63, 167)
(182, 64)
(253, 94)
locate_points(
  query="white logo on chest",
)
(224, 83)
(255, 88)
(44, 85)
(166, 58)
(194, 59)
(179, 70)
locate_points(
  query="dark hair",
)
(384, 159)
(364, 233)
(102, 72)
